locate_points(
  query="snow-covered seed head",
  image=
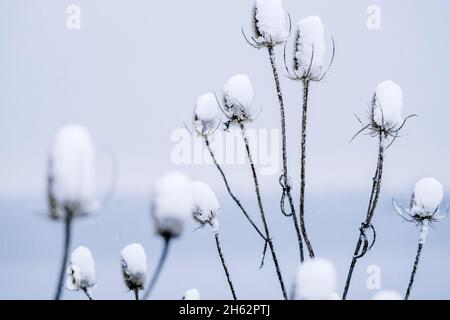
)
(206, 206)
(387, 295)
(172, 204)
(206, 114)
(270, 22)
(81, 270)
(238, 99)
(427, 198)
(134, 266)
(316, 280)
(387, 106)
(191, 294)
(71, 176)
(310, 47)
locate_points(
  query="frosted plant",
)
(307, 66)
(81, 271)
(206, 121)
(387, 295)
(388, 100)
(424, 210)
(271, 28)
(206, 115)
(205, 210)
(191, 294)
(238, 100)
(71, 183)
(171, 209)
(316, 280)
(134, 267)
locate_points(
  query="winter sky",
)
(134, 70)
(132, 75)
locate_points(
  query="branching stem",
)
(261, 209)
(286, 182)
(366, 225)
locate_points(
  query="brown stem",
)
(224, 265)
(261, 209)
(374, 196)
(227, 185)
(413, 273)
(303, 168)
(284, 149)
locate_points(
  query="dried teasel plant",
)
(271, 28)
(205, 211)
(385, 123)
(423, 211)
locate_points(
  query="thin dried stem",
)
(67, 240)
(362, 245)
(413, 273)
(227, 186)
(224, 265)
(159, 267)
(136, 294)
(303, 168)
(86, 292)
(261, 209)
(286, 184)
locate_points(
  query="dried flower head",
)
(316, 280)
(171, 204)
(81, 270)
(206, 114)
(134, 266)
(191, 294)
(238, 100)
(270, 24)
(71, 175)
(206, 206)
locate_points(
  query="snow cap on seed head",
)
(316, 280)
(427, 197)
(206, 114)
(191, 294)
(71, 176)
(81, 270)
(238, 98)
(206, 206)
(270, 22)
(134, 266)
(172, 204)
(387, 295)
(310, 47)
(387, 105)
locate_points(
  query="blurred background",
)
(132, 75)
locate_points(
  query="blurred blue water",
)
(30, 250)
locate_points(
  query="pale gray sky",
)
(132, 74)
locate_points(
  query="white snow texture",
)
(310, 45)
(388, 105)
(316, 280)
(72, 170)
(238, 96)
(271, 21)
(206, 205)
(427, 197)
(206, 112)
(134, 266)
(172, 204)
(191, 294)
(81, 270)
